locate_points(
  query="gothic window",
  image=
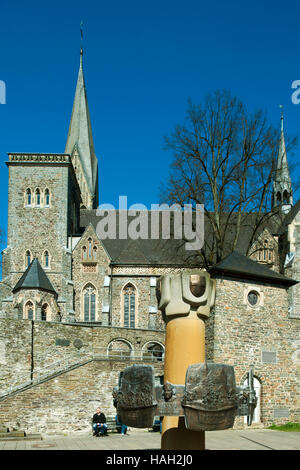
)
(267, 253)
(89, 303)
(29, 310)
(278, 198)
(84, 253)
(95, 253)
(47, 198)
(44, 312)
(27, 258)
(90, 248)
(37, 197)
(129, 306)
(46, 259)
(28, 197)
(285, 197)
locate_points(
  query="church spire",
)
(282, 185)
(80, 143)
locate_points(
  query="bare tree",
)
(224, 157)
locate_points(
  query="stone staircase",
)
(7, 435)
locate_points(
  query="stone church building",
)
(75, 310)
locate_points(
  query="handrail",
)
(55, 368)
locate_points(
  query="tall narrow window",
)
(46, 259)
(84, 252)
(37, 197)
(129, 302)
(90, 247)
(44, 312)
(28, 197)
(47, 198)
(95, 253)
(89, 303)
(27, 258)
(29, 310)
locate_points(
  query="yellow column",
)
(185, 345)
(186, 300)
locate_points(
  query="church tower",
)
(282, 184)
(80, 145)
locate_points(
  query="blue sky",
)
(142, 61)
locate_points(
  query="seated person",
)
(99, 423)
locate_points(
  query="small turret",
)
(282, 184)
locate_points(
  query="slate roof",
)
(240, 266)
(34, 278)
(143, 252)
(173, 252)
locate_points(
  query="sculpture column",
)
(185, 302)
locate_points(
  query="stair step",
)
(12, 434)
(28, 437)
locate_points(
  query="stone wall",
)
(263, 335)
(67, 403)
(85, 374)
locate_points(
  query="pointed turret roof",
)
(282, 184)
(80, 135)
(240, 266)
(282, 170)
(34, 278)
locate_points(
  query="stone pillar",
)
(186, 300)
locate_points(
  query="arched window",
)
(285, 197)
(84, 253)
(129, 306)
(29, 310)
(44, 312)
(89, 303)
(153, 352)
(46, 259)
(95, 253)
(47, 198)
(28, 197)
(90, 248)
(119, 349)
(37, 197)
(27, 258)
(278, 198)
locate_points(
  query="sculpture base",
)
(175, 436)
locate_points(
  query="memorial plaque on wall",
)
(281, 413)
(269, 357)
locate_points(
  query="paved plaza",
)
(261, 439)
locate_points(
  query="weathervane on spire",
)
(81, 34)
(281, 107)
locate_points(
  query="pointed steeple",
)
(282, 184)
(80, 144)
